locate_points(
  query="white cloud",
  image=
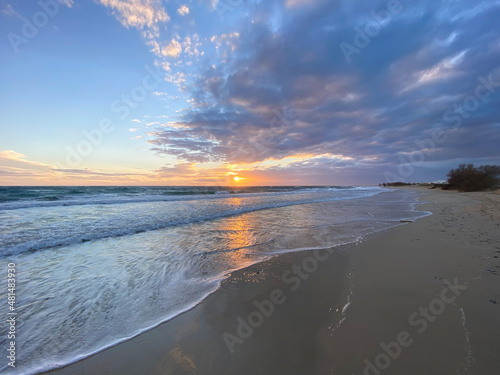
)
(68, 3)
(11, 155)
(177, 78)
(229, 41)
(173, 49)
(152, 43)
(138, 13)
(444, 69)
(183, 10)
(14, 164)
(213, 3)
(191, 45)
(166, 66)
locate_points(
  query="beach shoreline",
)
(345, 305)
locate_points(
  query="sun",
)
(236, 178)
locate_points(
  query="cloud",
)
(16, 159)
(282, 87)
(183, 10)
(11, 155)
(14, 166)
(89, 172)
(191, 45)
(138, 13)
(68, 3)
(173, 49)
(16, 169)
(445, 69)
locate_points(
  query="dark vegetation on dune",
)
(464, 178)
(469, 178)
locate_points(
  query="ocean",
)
(98, 265)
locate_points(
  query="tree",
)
(469, 178)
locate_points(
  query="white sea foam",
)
(41, 227)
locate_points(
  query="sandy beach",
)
(420, 298)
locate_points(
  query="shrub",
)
(469, 178)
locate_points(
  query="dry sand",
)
(397, 283)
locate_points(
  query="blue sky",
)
(274, 92)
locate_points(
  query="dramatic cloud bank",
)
(270, 92)
(389, 89)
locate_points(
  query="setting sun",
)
(236, 178)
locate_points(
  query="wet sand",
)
(421, 298)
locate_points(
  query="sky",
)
(246, 92)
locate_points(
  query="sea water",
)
(98, 265)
